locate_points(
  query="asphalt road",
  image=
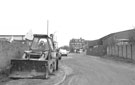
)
(90, 70)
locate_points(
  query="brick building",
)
(77, 44)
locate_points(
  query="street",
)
(54, 79)
(84, 69)
(90, 70)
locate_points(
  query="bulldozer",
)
(39, 61)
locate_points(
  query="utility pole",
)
(47, 27)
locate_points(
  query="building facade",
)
(77, 44)
(119, 44)
(15, 37)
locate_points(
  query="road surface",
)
(90, 70)
(82, 69)
(54, 79)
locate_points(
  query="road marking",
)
(67, 71)
(69, 83)
(61, 80)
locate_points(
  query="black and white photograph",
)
(67, 42)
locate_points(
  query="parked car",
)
(79, 50)
(63, 52)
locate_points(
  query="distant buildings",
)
(15, 37)
(77, 44)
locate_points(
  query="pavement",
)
(92, 70)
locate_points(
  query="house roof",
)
(12, 35)
(93, 43)
(40, 35)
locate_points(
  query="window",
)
(40, 44)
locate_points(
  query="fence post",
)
(126, 51)
(131, 50)
(122, 50)
(118, 51)
(111, 51)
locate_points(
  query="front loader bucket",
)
(27, 68)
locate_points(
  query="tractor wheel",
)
(47, 74)
(59, 58)
(54, 66)
(57, 64)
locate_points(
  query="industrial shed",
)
(120, 44)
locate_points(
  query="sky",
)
(88, 19)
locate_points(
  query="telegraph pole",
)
(47, 27)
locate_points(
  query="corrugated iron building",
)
(121, 44)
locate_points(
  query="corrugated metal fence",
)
(125, 51)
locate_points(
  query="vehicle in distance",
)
(63, 52)
(79, 50)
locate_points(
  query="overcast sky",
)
(89, 19)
